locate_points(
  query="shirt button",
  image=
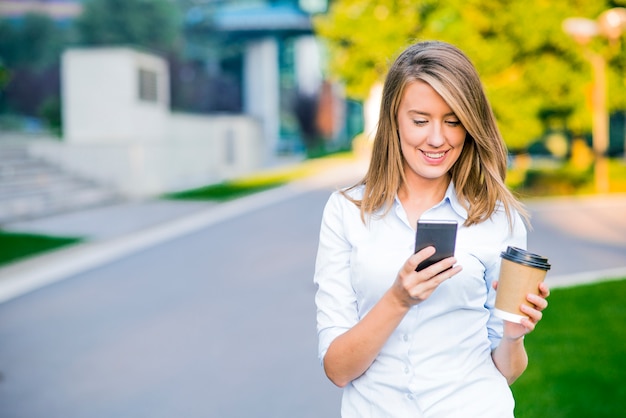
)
(410, 396)
(406, 369)
(405, 338)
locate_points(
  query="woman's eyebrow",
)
(423, 113)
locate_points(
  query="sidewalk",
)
(115, 231)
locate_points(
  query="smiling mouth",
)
(434, 155)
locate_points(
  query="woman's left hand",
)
(514, 330)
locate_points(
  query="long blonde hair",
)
(479, 173)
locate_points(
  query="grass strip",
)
(19, 245)
(577, 355)
(269, 179)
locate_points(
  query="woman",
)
(423, 344)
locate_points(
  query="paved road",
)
(584, 238)
(219, 322)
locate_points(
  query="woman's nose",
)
(435, 137)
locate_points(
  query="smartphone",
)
(439, 234)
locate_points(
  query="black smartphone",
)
(439, 234)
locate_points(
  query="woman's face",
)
(431, 136)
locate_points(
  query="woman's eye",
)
(420, 122)
(453, 123)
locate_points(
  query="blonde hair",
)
(479, 173)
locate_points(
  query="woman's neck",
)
(417, 195)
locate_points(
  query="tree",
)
(531, 70)
(35, 42)
(154, 24)
(30, 48)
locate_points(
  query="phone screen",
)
(439, 234)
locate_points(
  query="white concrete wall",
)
(100, 90)
(141, 148)
(200, 151)
(237, 141)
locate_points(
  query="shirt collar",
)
(451, 198)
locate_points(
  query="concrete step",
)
(43, 183)
(40, 205)
(31, 188)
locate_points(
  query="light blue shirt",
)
(437, 363)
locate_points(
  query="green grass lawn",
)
(15, 246)
(577, 356)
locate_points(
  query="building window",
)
(148, 86)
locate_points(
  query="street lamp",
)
(611, 24)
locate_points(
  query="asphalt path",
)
(584, 238)
(220, 322)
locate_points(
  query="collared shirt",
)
(437, 363)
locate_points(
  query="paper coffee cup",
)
(520, 274)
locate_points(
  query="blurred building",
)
(57, 9)
(254, 57)
(268, 52)
(247, 88)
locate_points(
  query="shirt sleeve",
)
(335, 298)
(516, 238)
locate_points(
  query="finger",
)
(528, 324)
(442, 276)
(539, 302)
(441, 266)
(433, 282)
(423, 289)
(418, 257)
(544, 290)
(534, 315)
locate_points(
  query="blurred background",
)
(139, 98)
(117, 116)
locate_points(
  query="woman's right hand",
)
(353, 352)
(413, 287)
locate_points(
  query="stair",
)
(32, 188)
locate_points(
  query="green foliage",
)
(576, 355)
(527, 63)
(4, 74)
(16, 246)
(35, 43)
(363, 37)
(153, 24)
(564, 180)
(50, 111)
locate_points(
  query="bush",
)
(561, 181)
(566, 179)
